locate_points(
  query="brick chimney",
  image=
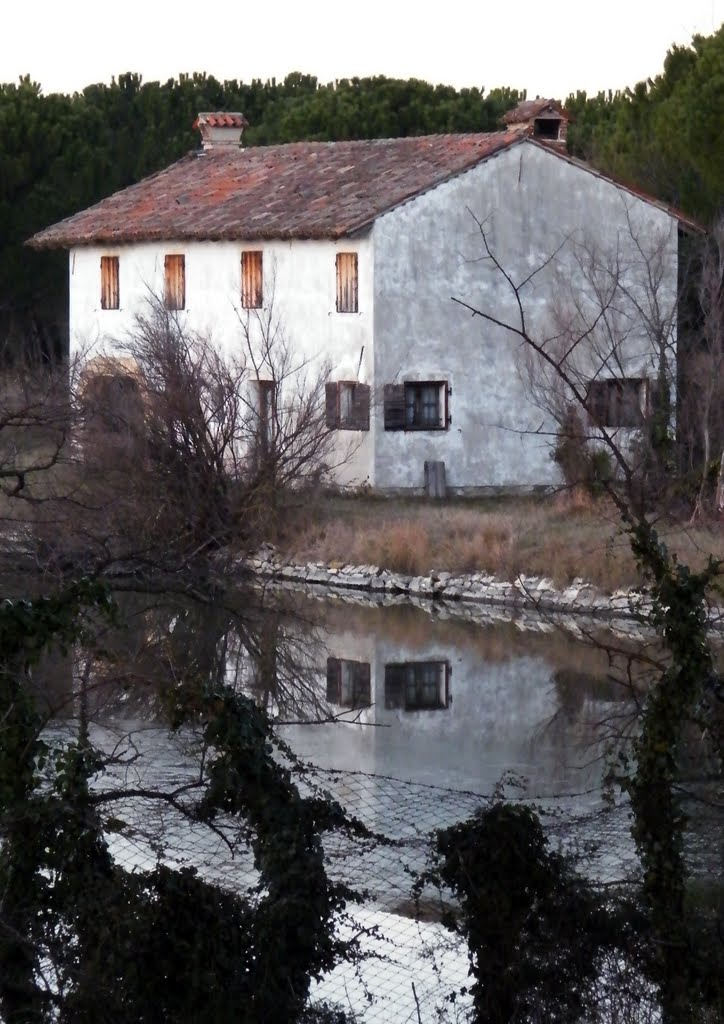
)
(220, 129)
(544, 120)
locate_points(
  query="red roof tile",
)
(299, 190)
(221, 120)
(529, 109)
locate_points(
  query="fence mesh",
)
(413, 968)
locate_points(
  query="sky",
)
(549, 48)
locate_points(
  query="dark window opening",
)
(174, 292)
(347, 282)
(418, 685)
(110, 293)
(267, 399)
(252, 279)
(416, 406)
(617, 402)
(546, 127)
(348, 683)
(347, 405)
(113, 403)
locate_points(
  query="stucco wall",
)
(430, 249)
(298, 275)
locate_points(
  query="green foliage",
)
(536, 931)
(664, 134)
(159, 945)
(581, 464)
(685, 691)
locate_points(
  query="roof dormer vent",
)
(542, 119)
(220, 129)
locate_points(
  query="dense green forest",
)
(62, 153)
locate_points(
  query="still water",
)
(413, 717)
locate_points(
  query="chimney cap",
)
(220, 128)
(528, 110)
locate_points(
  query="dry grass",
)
(561, 537)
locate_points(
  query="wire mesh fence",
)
(412, 967)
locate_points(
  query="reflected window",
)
(348, 683)
(418, 685)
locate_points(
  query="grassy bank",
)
(560, 536)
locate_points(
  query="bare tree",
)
(614, 304)
(188, 448)
(603, 366)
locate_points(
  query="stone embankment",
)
(525, 592)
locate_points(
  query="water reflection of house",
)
(448, 703)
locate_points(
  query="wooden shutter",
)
(394, 406)
(110, 295)
(175, 282)
(596, 402)
(334, 681)
(347, 286)
(360, 407)
(394, 686)
(331, 405)
(252, 279)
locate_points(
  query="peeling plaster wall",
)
(429, 250)
(299, 276)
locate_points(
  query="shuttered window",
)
(418, 685)
(348, 683)
(174, 290)
(618, 402)
(347, 283)
(252, 279)
(110, 292)
(416, 405)
(347, 405)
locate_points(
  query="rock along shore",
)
(525, 592)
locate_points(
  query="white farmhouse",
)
(357, 249)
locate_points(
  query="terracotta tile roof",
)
(299, 190)
(221, 120)
(529, 109)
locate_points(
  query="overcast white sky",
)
(549, 47)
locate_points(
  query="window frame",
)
(396, 406)
(349, 683)
(171, 299)
(252, 278)
(110, 282)
(358, 417)
(347, 281)
(609, 410)
(401, 676)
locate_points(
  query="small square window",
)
(174, 291)
(617, 401)
(418, 685)
(110, 293)
(416, 405)
(424, 406)
(252, 279)
(546, 127)
(347, 283)
(347, 405)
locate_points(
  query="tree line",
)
(62, 153)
